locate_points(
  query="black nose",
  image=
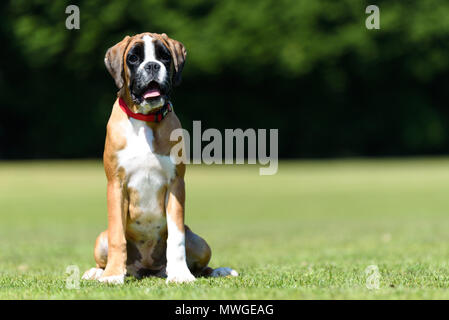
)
(152, 66)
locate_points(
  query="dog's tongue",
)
(151, 93)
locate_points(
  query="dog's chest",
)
(147, 177)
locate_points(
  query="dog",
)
(146, 234)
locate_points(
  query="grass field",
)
(308, 232)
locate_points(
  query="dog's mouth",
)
(152, 91)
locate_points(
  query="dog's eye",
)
(164, 55)
(133, 58)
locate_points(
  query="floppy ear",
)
(178, 52)
(114, 61)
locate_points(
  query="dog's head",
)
(146, 67)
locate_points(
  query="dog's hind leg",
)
(198, 252)
(101, 257)
(198, 255)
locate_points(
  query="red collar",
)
(151, 117)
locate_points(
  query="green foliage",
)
(316, 57)
(293, 36)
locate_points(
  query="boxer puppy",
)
(146, 234)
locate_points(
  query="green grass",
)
(308, 232)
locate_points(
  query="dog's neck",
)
(132, 111)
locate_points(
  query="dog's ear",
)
(114, 61)
(178, 52)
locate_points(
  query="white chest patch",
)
(146, 172)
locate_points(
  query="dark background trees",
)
(309, 68)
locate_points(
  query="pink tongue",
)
(150, 93)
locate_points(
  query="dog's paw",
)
(117, 279)
(161, 273)
(93, 274)
(224, 272)
(184, 276)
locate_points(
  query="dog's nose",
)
(152, 66)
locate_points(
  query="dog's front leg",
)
(177, 270)
(116, 266)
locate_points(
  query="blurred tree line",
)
(309, 68)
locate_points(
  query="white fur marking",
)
(150, 56)
(177, 270)
(93, 274)
(147, 172)
(120, 279)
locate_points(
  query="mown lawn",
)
(308, 232)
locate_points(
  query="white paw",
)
(224, 272)
(93, 274)
(183, 276)
(119, 279)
